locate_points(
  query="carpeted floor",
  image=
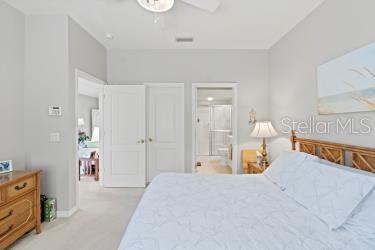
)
(99, 223)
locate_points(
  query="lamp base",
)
(264, 161)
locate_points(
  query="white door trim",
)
(167, 85)
(234, 88)
(159, 84)
(98, 84)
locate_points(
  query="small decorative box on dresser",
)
(19, 205)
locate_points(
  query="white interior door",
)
(124, 136)
(165, 129)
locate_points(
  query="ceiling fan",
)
(160, 6)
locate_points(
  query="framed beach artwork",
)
(347, 84)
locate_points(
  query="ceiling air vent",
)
(184, 39)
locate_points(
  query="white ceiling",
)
(237, 24)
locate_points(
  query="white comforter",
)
(182, 211)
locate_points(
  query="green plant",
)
(82, 137)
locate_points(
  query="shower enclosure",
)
(214, 130)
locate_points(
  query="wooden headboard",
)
(359, 157)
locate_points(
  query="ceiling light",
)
(109, 36)
(156, 5)
(210, 99)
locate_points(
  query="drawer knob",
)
(7, 231)
(9, 214)
(18, 188)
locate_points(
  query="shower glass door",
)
(220, 129)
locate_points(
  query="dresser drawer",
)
(16, 222)
(17, 207)
(20, 188)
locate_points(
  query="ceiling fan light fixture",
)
(157, 6)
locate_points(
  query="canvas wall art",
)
(347, 84)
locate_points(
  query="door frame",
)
(97, 84)
(166, 85)
(234, 87)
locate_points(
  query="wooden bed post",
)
(293, 140)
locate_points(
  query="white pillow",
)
(362, 222)
(282, 170)
(329, 163)
(330, 193)
(346, 168)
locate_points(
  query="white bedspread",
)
(182, 211)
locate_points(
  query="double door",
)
(143, 133)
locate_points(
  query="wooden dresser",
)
(19, 205)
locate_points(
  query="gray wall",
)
(46, 83)
(88, 55)
(85, 105)
(12, 26)
(334, 29)
(55, 47)
(249, 68)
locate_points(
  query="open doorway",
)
(89, 101)
(88, 131)
(214, 129)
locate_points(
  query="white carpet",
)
(99, 223)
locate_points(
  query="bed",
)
(187, 211)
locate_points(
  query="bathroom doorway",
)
(214, 129)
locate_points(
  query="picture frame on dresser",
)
(6, 166)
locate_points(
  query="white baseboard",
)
(66, 214)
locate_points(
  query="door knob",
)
(141, 141)
(150, 139)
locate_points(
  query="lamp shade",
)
(157, 5)
(81, 122)
(263, 130)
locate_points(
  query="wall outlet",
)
(54, 137)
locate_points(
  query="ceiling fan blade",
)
(208, 5)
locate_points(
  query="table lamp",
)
(264, 130)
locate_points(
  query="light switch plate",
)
(54, 137)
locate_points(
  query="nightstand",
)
(254, 168)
